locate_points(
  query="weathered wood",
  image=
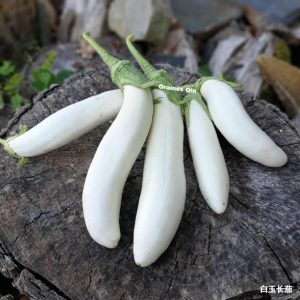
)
(43, 236)
(5, 115)
(27, 283)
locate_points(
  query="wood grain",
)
(44, 245)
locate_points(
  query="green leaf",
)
(6, 68)
(48, 63)
(42, 79)
(16, 101)
(13, 85)
(62, 75)
(1, 101)
(204, 70)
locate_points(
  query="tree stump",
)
(46, 248)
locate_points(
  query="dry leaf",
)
(178, 43)
(285, 80)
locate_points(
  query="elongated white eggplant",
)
(161, 203)
(208, 158)
(111, 165)
(68, 124)
(117, 152)
(237, 127)
(162, 199)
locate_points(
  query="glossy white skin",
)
(68, 124)
(162, 199)
(208, 158)
(111, 165)
(231, 118)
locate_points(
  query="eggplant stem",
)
(147, 68)
(122, 71)
(152, 74)
(107, 58)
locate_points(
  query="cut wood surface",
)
(46, 249)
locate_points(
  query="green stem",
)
(122, 71)
(152, 74)
(147, 68)
(108, 59)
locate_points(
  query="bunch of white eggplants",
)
(163, 193)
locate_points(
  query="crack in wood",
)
(21, 267)
(187, 256)
(279, 261)
(239, 201)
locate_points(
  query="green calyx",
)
(198, 84)
(198, 97)
(122, 71)
(155, 76)
(7, 148)
(5, 143)
(186, 105)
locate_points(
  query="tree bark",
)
(45, 247)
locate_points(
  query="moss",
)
(282, 51)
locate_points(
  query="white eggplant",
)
(112, 163)
(162, 199)
(208, 158)
(68, 124)
(237, 127)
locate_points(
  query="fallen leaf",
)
(284, 79)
